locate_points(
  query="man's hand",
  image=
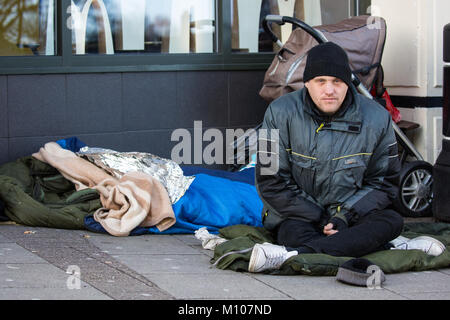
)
(328, 229)
(334, 225)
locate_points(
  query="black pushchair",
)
(363, 39)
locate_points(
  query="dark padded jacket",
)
(36, 194)
(342, 166)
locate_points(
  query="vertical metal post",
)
(446, 86)
(441, 169)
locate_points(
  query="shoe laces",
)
(275, 256)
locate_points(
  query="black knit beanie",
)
(327, 59)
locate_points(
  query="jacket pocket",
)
(271, 219)
(303, 172)
(349, 174)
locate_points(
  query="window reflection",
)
(248, 35)
(27, 27)
(140, 26)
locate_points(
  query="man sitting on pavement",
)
(337, 169)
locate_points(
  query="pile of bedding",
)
(68, 185)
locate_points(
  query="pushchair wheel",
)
(415, 189)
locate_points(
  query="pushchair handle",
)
(272, 18)
(281, 20)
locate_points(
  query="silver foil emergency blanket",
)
(168, 172)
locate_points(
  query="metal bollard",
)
(446, 86)
(441, 169)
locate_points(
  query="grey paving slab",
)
(209, 253)
(416, 282)
(63, 248)
(42, 281)
(145, 244)
(441, 295)
(15, 231)
(194, 243)
(324, 288)
(446, 271)
(189, 239)
(13, 253)
(85, 293)
(4, 239)
(155, 263)
(32, 276)
(214, 286)
(150, 267)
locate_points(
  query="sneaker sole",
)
(434, 241)
(439, 243)
(256, 253)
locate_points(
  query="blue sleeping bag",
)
(247, 175)
(212, 202)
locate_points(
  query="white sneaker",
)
(268, 256)
(427, 244)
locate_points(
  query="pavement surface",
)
(55, 264)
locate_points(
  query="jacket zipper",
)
(320, 127)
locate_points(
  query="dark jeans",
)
(369, 234)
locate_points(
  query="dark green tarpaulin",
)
(36, 194)
(242, 237)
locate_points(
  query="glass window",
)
(27, 27)
(141, 26)
(363, 7)
(247, 16)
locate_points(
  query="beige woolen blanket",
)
(137, 199)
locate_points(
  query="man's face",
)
(327, 93)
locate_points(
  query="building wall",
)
(413, 63)
(412, 57)
(123, 111)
